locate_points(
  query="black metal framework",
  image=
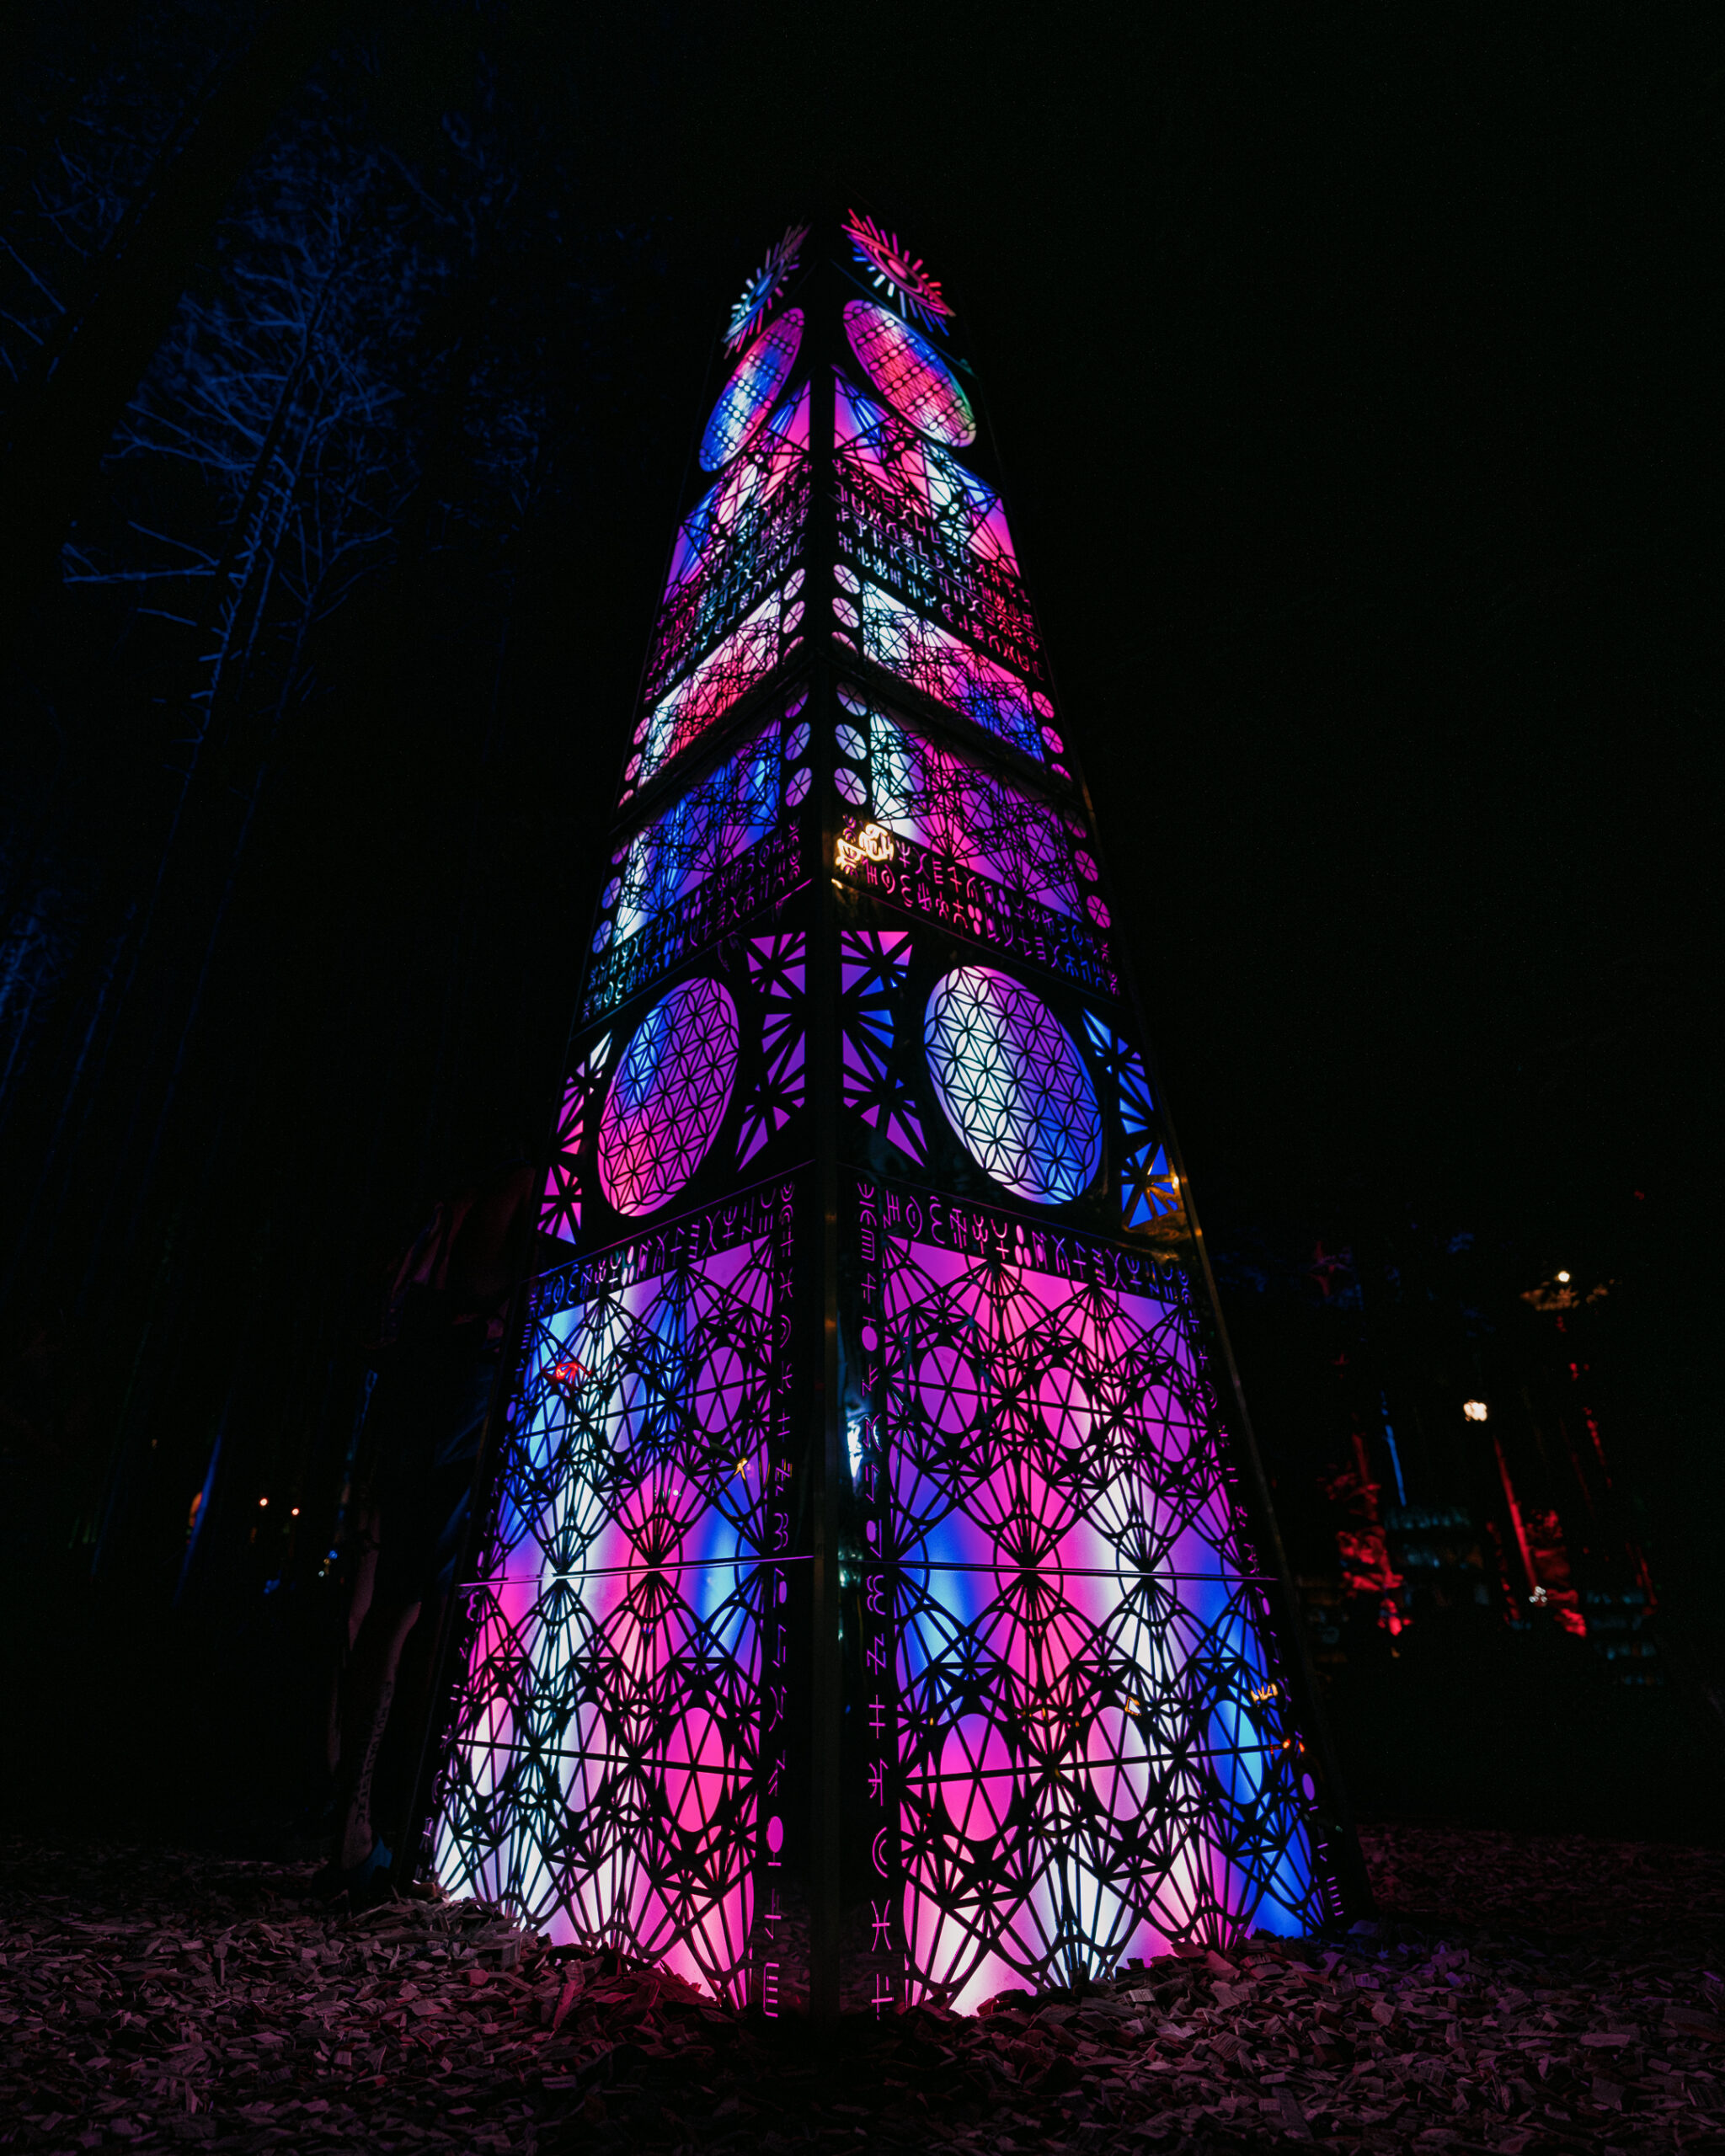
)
(879, 1597)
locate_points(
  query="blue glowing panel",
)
(606, 1776)
(893, 634)
(705, 865)
(1013, 1086)
(730, 810)
(752, 391)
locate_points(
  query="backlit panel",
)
(1089, 1751)
(606, 1778)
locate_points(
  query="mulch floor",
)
(1519, 1993)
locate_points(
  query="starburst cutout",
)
(897, 271)
(763, 288)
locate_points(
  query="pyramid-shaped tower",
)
(878, 1600)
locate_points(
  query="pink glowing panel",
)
(1013, 1086)
(668, 1098)
(752, 391)
(911, 376)
(746, 488)
(927, 794)
(1086, 1761)
(944, 667)
(921, 480)
(609, 1736)
(747, 655)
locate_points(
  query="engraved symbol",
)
(875, 1656)
(875, 1607)
(876, 1781)
(769, 1990)
(882, 1912)
(879, 1854)
(883, 1995)
(876, 1717)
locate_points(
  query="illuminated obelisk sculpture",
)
(880, 1599)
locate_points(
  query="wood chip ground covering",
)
(1518, 1995)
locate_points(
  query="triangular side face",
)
(879, 1598)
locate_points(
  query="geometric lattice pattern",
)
(893, 635)
(1149, 1189)
(910, 374)
(1013, 1086)
(911, 516)
(603, 1780)
(940, 799)
(1091, 1754)
(560, 1207)
(735, 543)
(777, 967)
(748, 654)
(871, 970)
(669, 1096)
(730, 810)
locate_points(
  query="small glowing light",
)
(263, 1501)
(1474, 1409)
(295, 1513)
(1564, 1279)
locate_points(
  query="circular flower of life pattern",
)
(1012, 1085)
(669, 1096)
(911, 376)
(752, 391)
(763, 287)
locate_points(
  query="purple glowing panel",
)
(1094, 1755)
(920, 480)
(604, 1780)
(668, 1098)
(730, 810)
(911, 376)
(926, 792)
(752, 391)
(560, 1205)
(945, 668)
(1013, 1086)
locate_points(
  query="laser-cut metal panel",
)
(911, 516)
(732, 843)
(610, 1776)
(685, 1094)
(1080, 1746)
(967, 846)
(737, 540)
(981, 1080)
